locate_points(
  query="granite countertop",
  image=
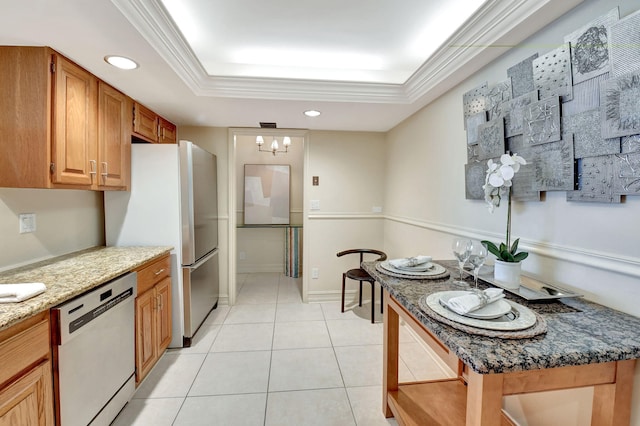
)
(578, 331)
(71, 275)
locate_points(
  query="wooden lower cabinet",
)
(153, 315)
(26, 383)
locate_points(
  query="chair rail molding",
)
(619, 264)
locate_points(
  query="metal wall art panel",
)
(523, 181)
(472, 153)
(513, 112)
(630, 144)
(473, 122)
(624, 39)
(586, 96)
(555, 168)
(542, 121)
(474, 101)
(590, 47)
(620, 109)
(496, 97)
(595, 177)
(626, 173)
(474, 180)
(587, 135)
(515, 144)
(521, 75)
(491, 139)
(552, 74)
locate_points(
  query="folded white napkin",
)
(10, 293)
(408, 262)
(471, 301)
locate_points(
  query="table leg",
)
(484, 399)
(612, 402)
(390, 354)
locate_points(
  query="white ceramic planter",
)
(508, 273)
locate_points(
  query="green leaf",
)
(514, 246)
(493, 249)
(521, 256)
(506, 256)
(503, 247)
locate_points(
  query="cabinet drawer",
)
(24, 349)
(154, 272)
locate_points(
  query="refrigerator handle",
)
(201, 261)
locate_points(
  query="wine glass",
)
(461, 250)
(476, 258)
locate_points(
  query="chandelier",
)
(274, 149)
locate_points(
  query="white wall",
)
(66, 221)
(592, 248)
(351, 169)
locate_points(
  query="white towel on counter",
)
(473, 301)
(11, 293)
(410, 262)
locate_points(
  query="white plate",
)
(435, 270)
(417, 268)
(491, 311)
(523, 316)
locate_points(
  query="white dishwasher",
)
(94, 353)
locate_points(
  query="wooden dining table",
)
(584, 344)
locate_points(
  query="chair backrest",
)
(382, 255)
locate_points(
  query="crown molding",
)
(496, 27)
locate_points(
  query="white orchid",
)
(497, 184)
(498, 179)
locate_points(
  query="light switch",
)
(315, 180)
(27, 222)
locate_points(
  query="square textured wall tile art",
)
(587, 135)
(554, 164)
(590, 47)
(626, 173)
(595, 176)
(473, 123)
(475, 101)
(521, 75)
(497, 96)
(474, 180)
(514, 113)
(552, 74)
(491, 139)
(624, 39)
(620, 110)
(542, 121)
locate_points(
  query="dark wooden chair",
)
(361, 276)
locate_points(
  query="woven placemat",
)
(380, 269)
(540, 327)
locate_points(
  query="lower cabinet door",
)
(28, 400)
(163, 293)
(146, 354)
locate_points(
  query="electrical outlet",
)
(376, 209)
(27, 222)
(315, 204)
(315, 273)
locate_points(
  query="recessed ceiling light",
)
(312, 113)
(121, 62)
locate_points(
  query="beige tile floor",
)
(273, 360)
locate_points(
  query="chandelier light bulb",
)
(286, 141)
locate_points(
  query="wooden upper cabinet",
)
(58, 124)
(73, 144)
(114, 137)
(166, 131)
(150, 127)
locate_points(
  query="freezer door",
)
(201, 288)
(198, 180)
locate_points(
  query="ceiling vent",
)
(265, 125)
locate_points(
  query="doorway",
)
(261, 248)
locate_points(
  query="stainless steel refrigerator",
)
(173, 201)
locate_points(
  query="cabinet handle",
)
(93, 170)
(160, 303)
(159, 272)
(105, 172)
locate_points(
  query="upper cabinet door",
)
(114, 137)
(166, 131)
(145, 123)
(74, 124)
